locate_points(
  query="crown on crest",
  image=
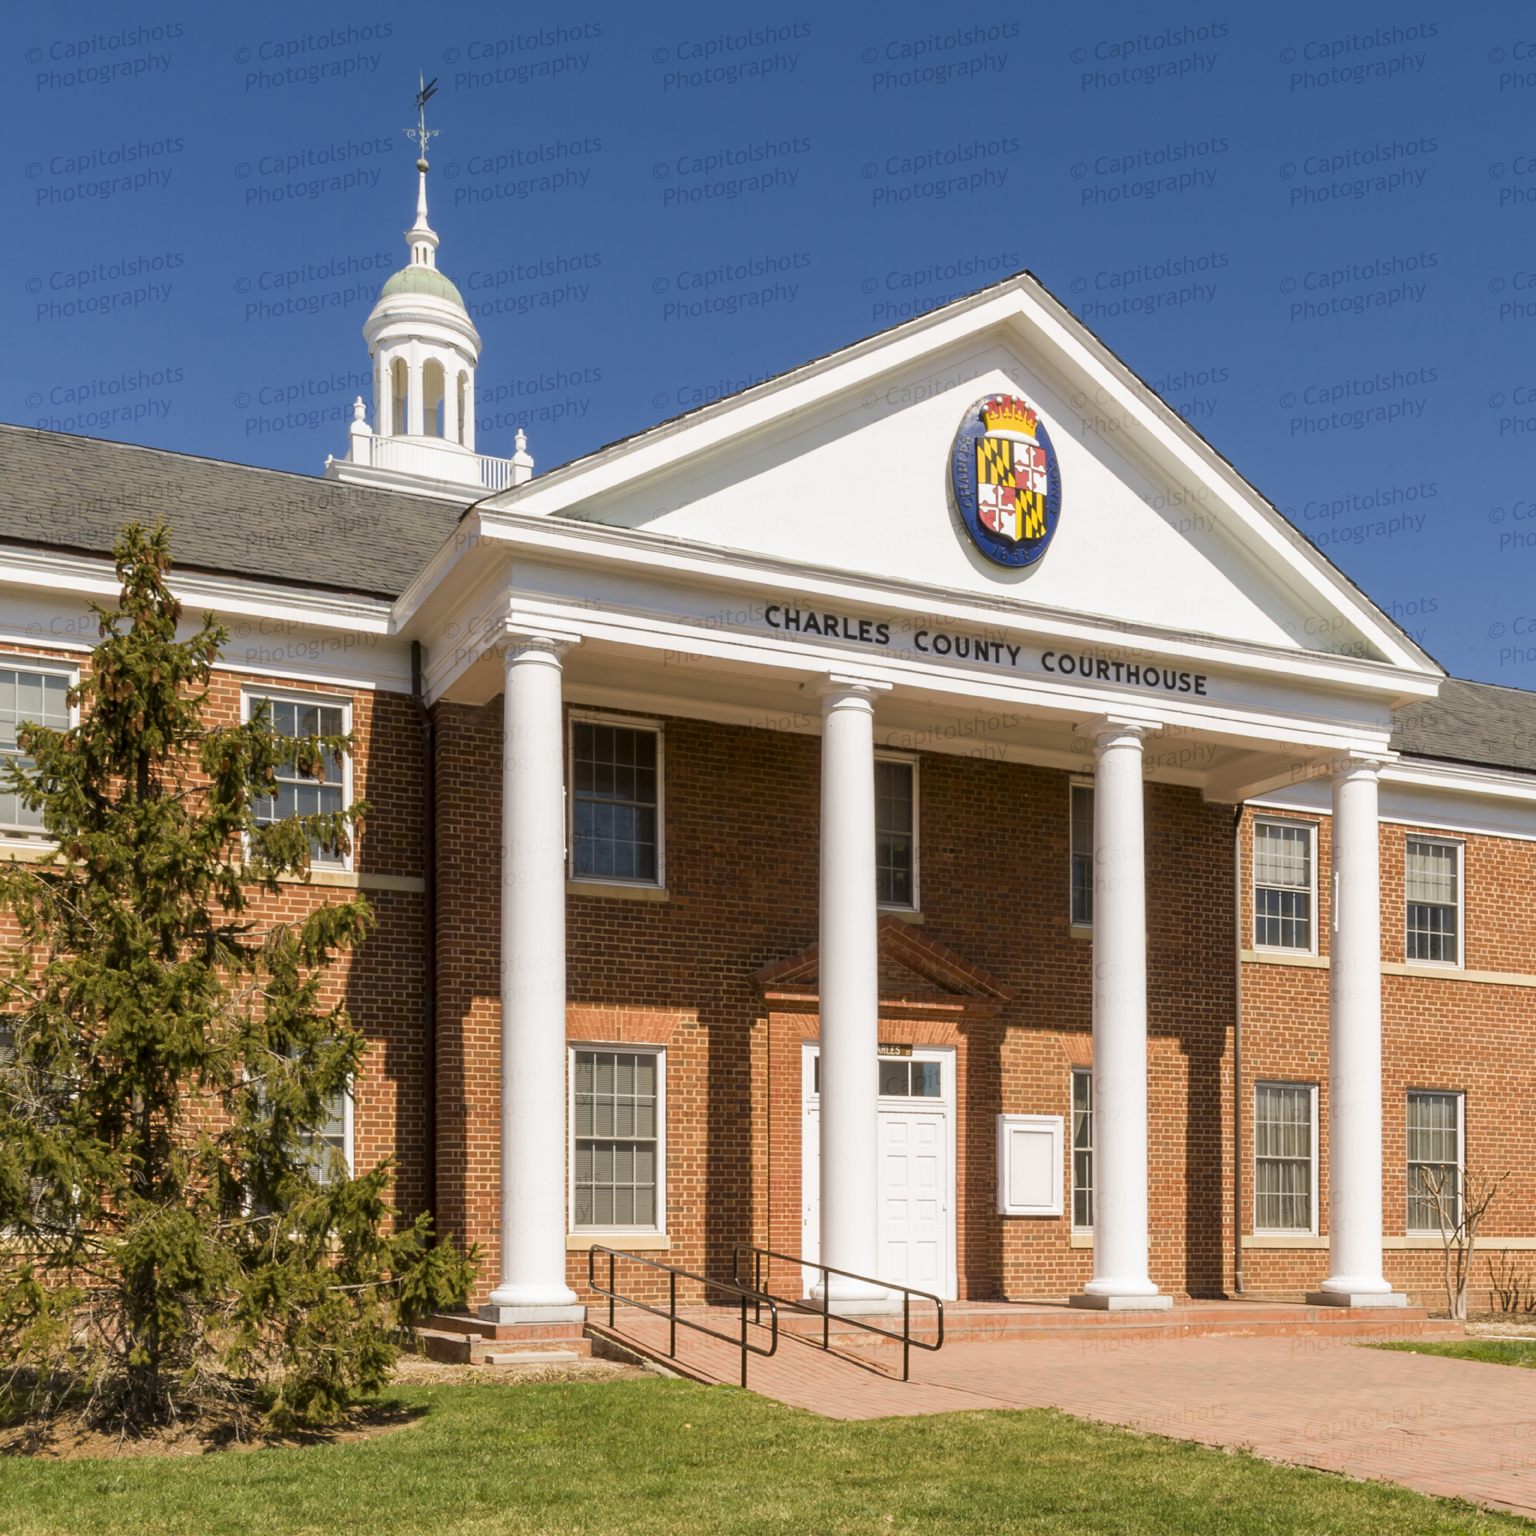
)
(1007, 413)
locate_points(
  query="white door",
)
(916, 1214)
(914, 1200)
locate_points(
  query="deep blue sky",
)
(1334, 276)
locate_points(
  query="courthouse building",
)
(925, 812)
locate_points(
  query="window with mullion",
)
(1434, 1160)
(617, 1152)
(38, 697)
(1433, 888)
(1082, 854)
(1082, 1149)
(1282, 1151)
(298, 794)
(615, 777)
(895, 833)
(1282, 885)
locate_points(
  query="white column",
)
(850, 993)
(469, 407)
(533, 1051)
(415, 412)
(1120, 1206)
(384, 398)
(1354, 1048)
(450, 403)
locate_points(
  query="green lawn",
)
(1491, 1351)
(667, 1456)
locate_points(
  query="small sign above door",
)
(894, 1050)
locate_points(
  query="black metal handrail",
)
(672, 1272)
(824, 1312)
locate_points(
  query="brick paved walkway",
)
(1446, 1427)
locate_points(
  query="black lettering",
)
(1103, 676)
(1183, 682)
(1200, 682)
(768, 613)
(846, 635)
(941, 644)
(882, 634)
(791, 618)
(1069, 665)
(1013, 656)
(963, 648)
(1149, 678)
(917, 639)
(1132, 674)
(811, 626)
(1170, 679)
(864, 631)
(829, 625)
(1116, 666)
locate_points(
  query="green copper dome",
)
(422, 280)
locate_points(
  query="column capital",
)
(1101, 726)
(1360, 764)
(835, 685)
(520, 633)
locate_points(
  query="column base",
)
(490, 1313)
(1153, 1303)
(1356, 1299)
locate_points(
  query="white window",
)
(298, 715)
(896, 832)
(1433, 886)
(1284, 1157)
(618, 1142)
(1284, 886)
(1435, 1138)
(1082, 1149)
(28, 694)
(1081, 837)
(333, 1136)
(615, 800)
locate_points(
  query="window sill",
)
(635, 1242)
(1286, 957)
(1081, 930)
(1081, 1240)
(1425, 971)
(605, 891)
(1432, 1240)
(906, 914)
(1283, 1240)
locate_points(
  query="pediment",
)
(919, 979)
(846, 465)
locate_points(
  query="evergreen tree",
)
(167, 1231)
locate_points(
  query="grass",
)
(653, 1458)
(1490, 1351)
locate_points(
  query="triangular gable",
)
(844, 464)
(919, 979)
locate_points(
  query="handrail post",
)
(826, 1302)
(743, 1340)
(611, 1287)
(906, 1333)
(672, 1311)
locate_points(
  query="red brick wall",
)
(381, 982)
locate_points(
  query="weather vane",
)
(421, 133)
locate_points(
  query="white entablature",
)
(425, 350)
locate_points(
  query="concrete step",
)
(463, 1322)
(1004, 1321)
(470, 1348)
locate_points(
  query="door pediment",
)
(919, 979)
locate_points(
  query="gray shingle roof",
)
(1471, 723)
(77, 493)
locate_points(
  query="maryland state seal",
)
(1006, 479)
